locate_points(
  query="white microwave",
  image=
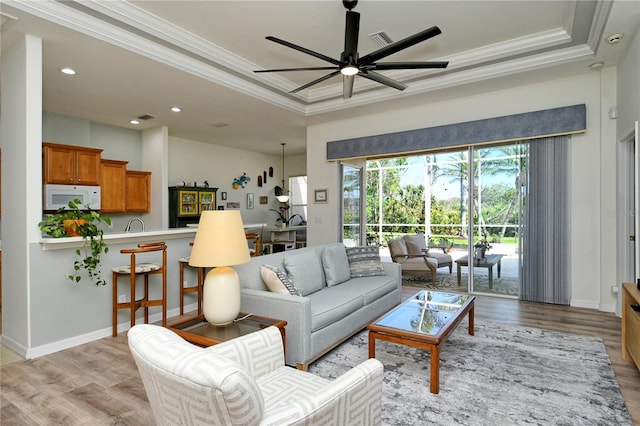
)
(56, 196)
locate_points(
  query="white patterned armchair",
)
(244, 382)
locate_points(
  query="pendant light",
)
(282, 195)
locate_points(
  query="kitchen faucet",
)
(128, 227)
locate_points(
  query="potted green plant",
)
(79, 220)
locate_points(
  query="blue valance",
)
(529, 125)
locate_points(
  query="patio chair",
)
(417, 244)
(417, 262)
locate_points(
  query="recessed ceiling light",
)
(615, 38)
(596, 66)
(134, 122)
(68, 71)
(176, 109)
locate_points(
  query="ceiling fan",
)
(350, 64)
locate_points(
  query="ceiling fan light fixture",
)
(349, 70)
(351, 64)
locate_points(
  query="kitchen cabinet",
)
(113, 184)
(186, 204)
(138, 192)
(70, 165)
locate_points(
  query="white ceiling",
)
(142, 57)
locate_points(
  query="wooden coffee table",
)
(424, 321)
(199, 332)
(489, 261)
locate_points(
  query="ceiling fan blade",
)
(352, 27)
(399, 45)
(383, 80)
(298, 69)
(404, 65)
(304, 50)
(347, 86)
(316, 81)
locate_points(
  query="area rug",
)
(504, 375)
(503, 285)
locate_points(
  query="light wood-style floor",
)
(98, 384)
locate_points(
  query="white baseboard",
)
(590, 304)
(71, 342)
(14, 346)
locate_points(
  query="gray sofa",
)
(332, 308)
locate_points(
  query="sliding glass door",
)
(496, 196)
(352, 205)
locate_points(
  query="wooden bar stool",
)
(253, 240)
(197, 289)
(133, 270)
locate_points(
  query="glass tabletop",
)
(426, 313)
(244, 325)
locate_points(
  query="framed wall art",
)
(249, 201)
(264, 199)
(320, 196)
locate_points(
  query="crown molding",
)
(89, 25)
(474, 57)
(474, 75)
(127, 26)
(600, 18)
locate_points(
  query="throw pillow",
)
(335, 264)
(305, 270)
(415, 244)
(364, 262)
(277, 281)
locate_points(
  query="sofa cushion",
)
(373, 288)
(305, 270)
(277, 281)
(334, 303)
(364, 262)
(335, 265)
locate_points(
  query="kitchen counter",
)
(133, 237)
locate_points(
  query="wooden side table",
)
(630, 324)
(199, 332)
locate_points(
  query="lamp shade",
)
(220, 240)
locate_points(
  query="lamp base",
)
(221, 296)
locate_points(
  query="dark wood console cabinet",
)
(186, 203)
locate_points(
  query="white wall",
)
(22, 173)
(629, 88)
(589, 279)
(118, 143)
(193, 161)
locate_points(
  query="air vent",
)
(146, 117)
(381, 38)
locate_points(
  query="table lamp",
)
(220, 242)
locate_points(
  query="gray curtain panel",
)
(545, 274)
